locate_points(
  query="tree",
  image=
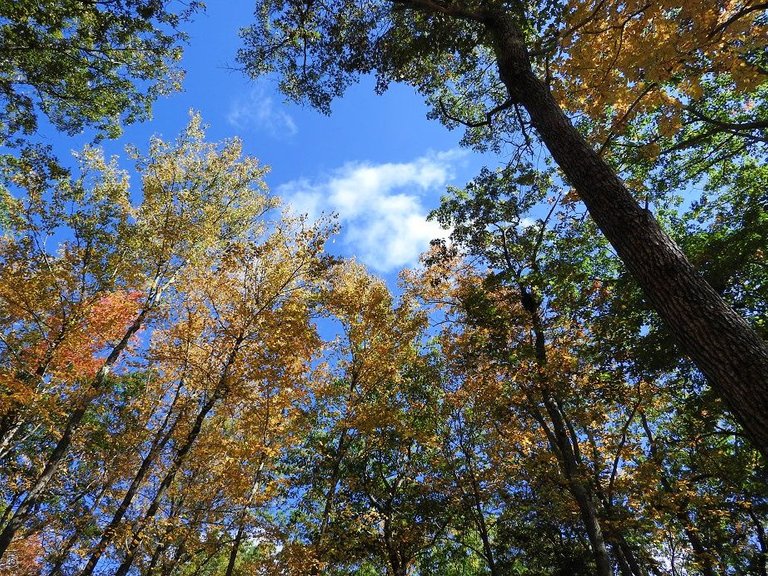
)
(613, 390)
(550, 433)
(85, 64)
(362, 473)
(444, 47)
(65, 336)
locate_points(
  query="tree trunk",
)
(563, 442)
(580, 489)
(700, 551)
(168, 479)
(40, 485)
(240, 536)
(721, 343)
(162, 437)
(219, 392)
(478, 514)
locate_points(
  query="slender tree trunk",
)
(255, 487)
(700, 551)
(762, 553)
(580, 490)
(62, 553)
(564, 444)
(12, 421)
(162, 437)
(480, 523)
(179, 459)
(240, 536)
(168, 479)
(721, 343)
(627, 554)
(38, 490)
(330, 496)
(156, 555)
(397, 564)
(10, 424)
(621, 560)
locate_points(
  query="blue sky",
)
(376, 161)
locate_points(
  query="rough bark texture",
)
(721, 343)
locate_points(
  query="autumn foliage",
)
(192, 384)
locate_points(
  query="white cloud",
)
(379, 206)
(259, 111)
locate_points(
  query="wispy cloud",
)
(259, 111)
(379, 206)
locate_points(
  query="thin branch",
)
(488, 115)
(435, 7)
(757, 125)
(625, 116)
(741, 13)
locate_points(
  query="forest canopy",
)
(193, 382)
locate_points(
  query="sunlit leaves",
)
(86, 64)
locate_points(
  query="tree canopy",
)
(504, 57)
(572, 383)
(86, 64)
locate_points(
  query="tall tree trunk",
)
(479, 514)
(579, 487)
(218, 393)
(233, 552)
(397, 563)
(762, 553)
(39, 487)
(168, 479)
(10, 424)
(57, 561)
(162, 437)
(700, 551)
(330, 495)
(333, 483)
(255, 488)
(563, 443)
(721, 343)
(240, 536)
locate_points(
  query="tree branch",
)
(747, 10)
(756, 125)
(488, 115)
(436, 7)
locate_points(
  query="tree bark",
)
(721, 343)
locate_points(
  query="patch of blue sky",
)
(376, 162)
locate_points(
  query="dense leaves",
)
(190, 385)
(85, 63)
(492, 66)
